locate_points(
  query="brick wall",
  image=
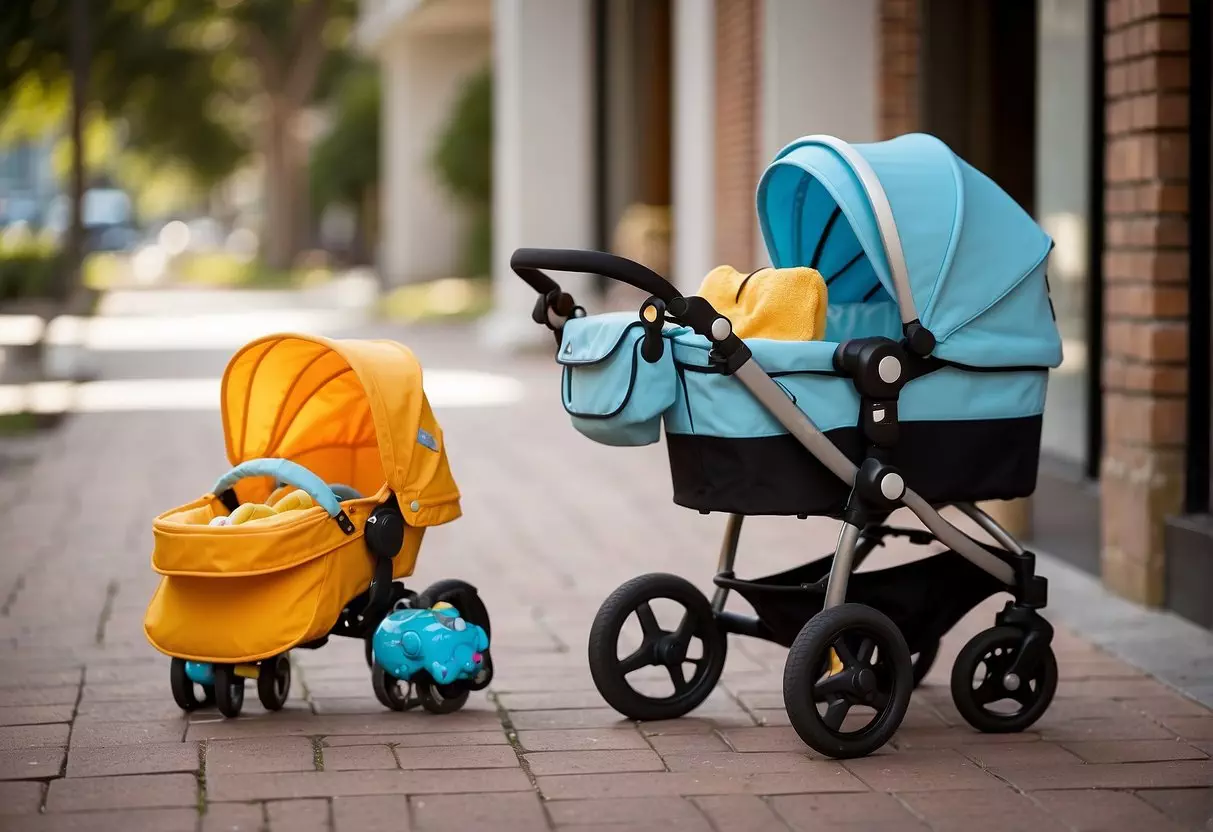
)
(738, 137)
(898, 67)
(1145, 293)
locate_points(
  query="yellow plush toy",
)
(780, 304)
(280, 503)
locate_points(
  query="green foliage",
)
(28, 269)
(463, 159)
(345, 163)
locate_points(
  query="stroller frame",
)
(832, 642)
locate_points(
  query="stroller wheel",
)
(693, 639)
(849, 666)
(229, 690)
(185, 690)
(274, 682)
(983, 694)
(391, 692)
(923, 661)
(441, 699)
(462, 596)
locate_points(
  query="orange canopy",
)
(353, 412)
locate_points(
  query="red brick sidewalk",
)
(90, 738)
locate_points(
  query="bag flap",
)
(596, 337)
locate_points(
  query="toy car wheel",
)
(229, 690)
(852, 710)
(656, 670)
(441, 699)
(923, 661)
(985, 696)
(274, 682)
(185, 690)
(391, 692)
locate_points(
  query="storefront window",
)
(1063, 146)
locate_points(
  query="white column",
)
(423, 76)
(543, 151)
(819, 72)
(694, 169)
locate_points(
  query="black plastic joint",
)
(879, 485)
(878, 420)
(652, 320)
(877, 366)
(919, 339)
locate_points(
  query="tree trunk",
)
(284, 187)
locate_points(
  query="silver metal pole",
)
(840, 569)
(728, 555)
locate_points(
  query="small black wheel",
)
(670, 649)
(229, 690)
(985, 696)
(872, 673)
(923, 661)
(274, 682)
(441, 699)
(391, 692)
(185, 690)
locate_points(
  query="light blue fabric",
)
(711, 404)
(283, 470)
(976, 260)
(613, 395)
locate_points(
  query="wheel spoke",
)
(845, 655)
(832, 686)
(866, 648)
(686, 629)
(678, 677)
(879, 700)
(835, 713)
(643, 657)
(990, 690)
(648, 621)
(1024, 695)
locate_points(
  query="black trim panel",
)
(945, 462)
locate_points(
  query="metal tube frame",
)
(728, 555)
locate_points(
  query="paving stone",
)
(1109, 728)
(310, 815)
(687, 743)
(35, 714)
(990, 755)
(58, 695)
(827, 778)
(1104, 811)
(31, 763)
(1133, 751)
(816, 812)
(20, 799)
(1191, 727)
(578, 718)
(474, 812)
(363, 814)
(162, 709)
(671, 812)
(995, 810)
(233, 817)
(923, 740)
(732, 761)
(581, 740)
(913, 771)
(293, 785)
(32, 736)
(1171, 704)
(1174, 774)
(150, 758)
(120, 820)
(592, 762)
(1192, 808)
(138, 791)
(259, 754)
(740, 811)
(453, 740)
(109, 734)
(469, 757)
(551, 700)
(358, 758)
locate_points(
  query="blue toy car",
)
(436, 650)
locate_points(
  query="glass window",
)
(1063, 142)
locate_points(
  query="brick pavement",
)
(90, 738)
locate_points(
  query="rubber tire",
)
(270, 671)
(441, 699)
(802, 670)
(183, 689)
(229, 691)
(924, 662)
(604, 653)
(387, 689)
(962, 684)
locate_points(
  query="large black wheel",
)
(923, 661)
(848, 661)
(185, 691)
(987, 695)
(693, 639)
(391, 692)
(465, 598)
(274, 682)
(229, 690)
(441, 699)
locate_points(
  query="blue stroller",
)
(927, 392)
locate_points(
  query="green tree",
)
(463, 159)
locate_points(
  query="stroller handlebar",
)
(528, 263)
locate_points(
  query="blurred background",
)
(386, 156)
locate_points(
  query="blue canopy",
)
(907, 221)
